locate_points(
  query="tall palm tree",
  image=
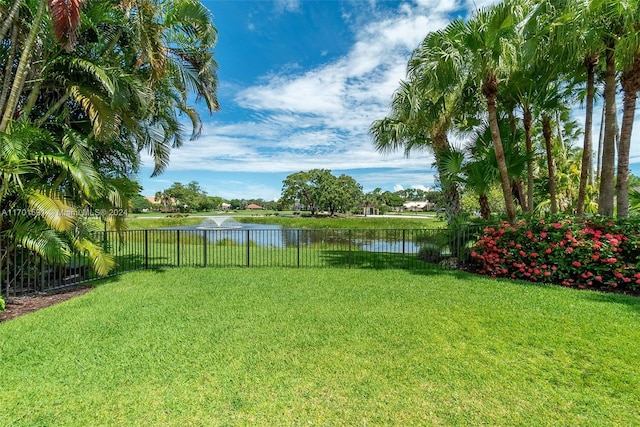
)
(419, 121)
(575, 42)
(490, 44)
(628, 60)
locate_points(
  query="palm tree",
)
(418, 121)
(104, 88)
(574, 42)
(628, 60)
(477, 175)
(45, 217)
(489, 45)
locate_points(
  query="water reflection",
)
(262, 235)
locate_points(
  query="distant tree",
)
(298, 188)
(139, 203)
(237, 204)
(391, 199)
(318, 189)
(346, 194)
(186, 198)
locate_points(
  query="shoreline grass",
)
(278, 346)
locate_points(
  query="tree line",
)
(316, 190)
(506, 80)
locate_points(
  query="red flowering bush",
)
(595, 253)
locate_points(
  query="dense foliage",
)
(87, 85)
(596, 253)
(509, 75)
(318, 189)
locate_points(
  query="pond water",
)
(266, 235)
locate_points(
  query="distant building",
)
(418, 206)
(369, 209)
(253, 206)
(225, 206)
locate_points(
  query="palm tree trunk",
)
(527, 122)
(546, 132)
(600, 143)
(630, 87)
(485, 209)
(490, 89)
(605, 205)
(587, 150)
(8, 20)
(451, 197)
(8, 71)
(23, 70)
(522, 196)
(450, 192)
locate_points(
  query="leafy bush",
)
(431, 253)
(597, 253)
(2, 306)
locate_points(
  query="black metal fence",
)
(23, 272)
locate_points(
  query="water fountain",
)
(216, 223)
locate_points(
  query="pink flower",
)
(576, 263)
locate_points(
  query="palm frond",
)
(66, 18)
(58, 215)
(34, 235)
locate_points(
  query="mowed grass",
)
(334, 347)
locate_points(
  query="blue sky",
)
(300, 83)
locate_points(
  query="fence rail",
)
(23, 272)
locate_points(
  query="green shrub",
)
(2, 306)
(596, 253)
(431, 253)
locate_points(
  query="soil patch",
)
(18, 306)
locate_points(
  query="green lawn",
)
(282, 346)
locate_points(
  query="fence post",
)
(298, 245)
(146, 249)
(403, 248)
(178, 247)
(204, 248)
(248, 248)
(349, 239)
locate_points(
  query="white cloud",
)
(420, 187)
(280, 6)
